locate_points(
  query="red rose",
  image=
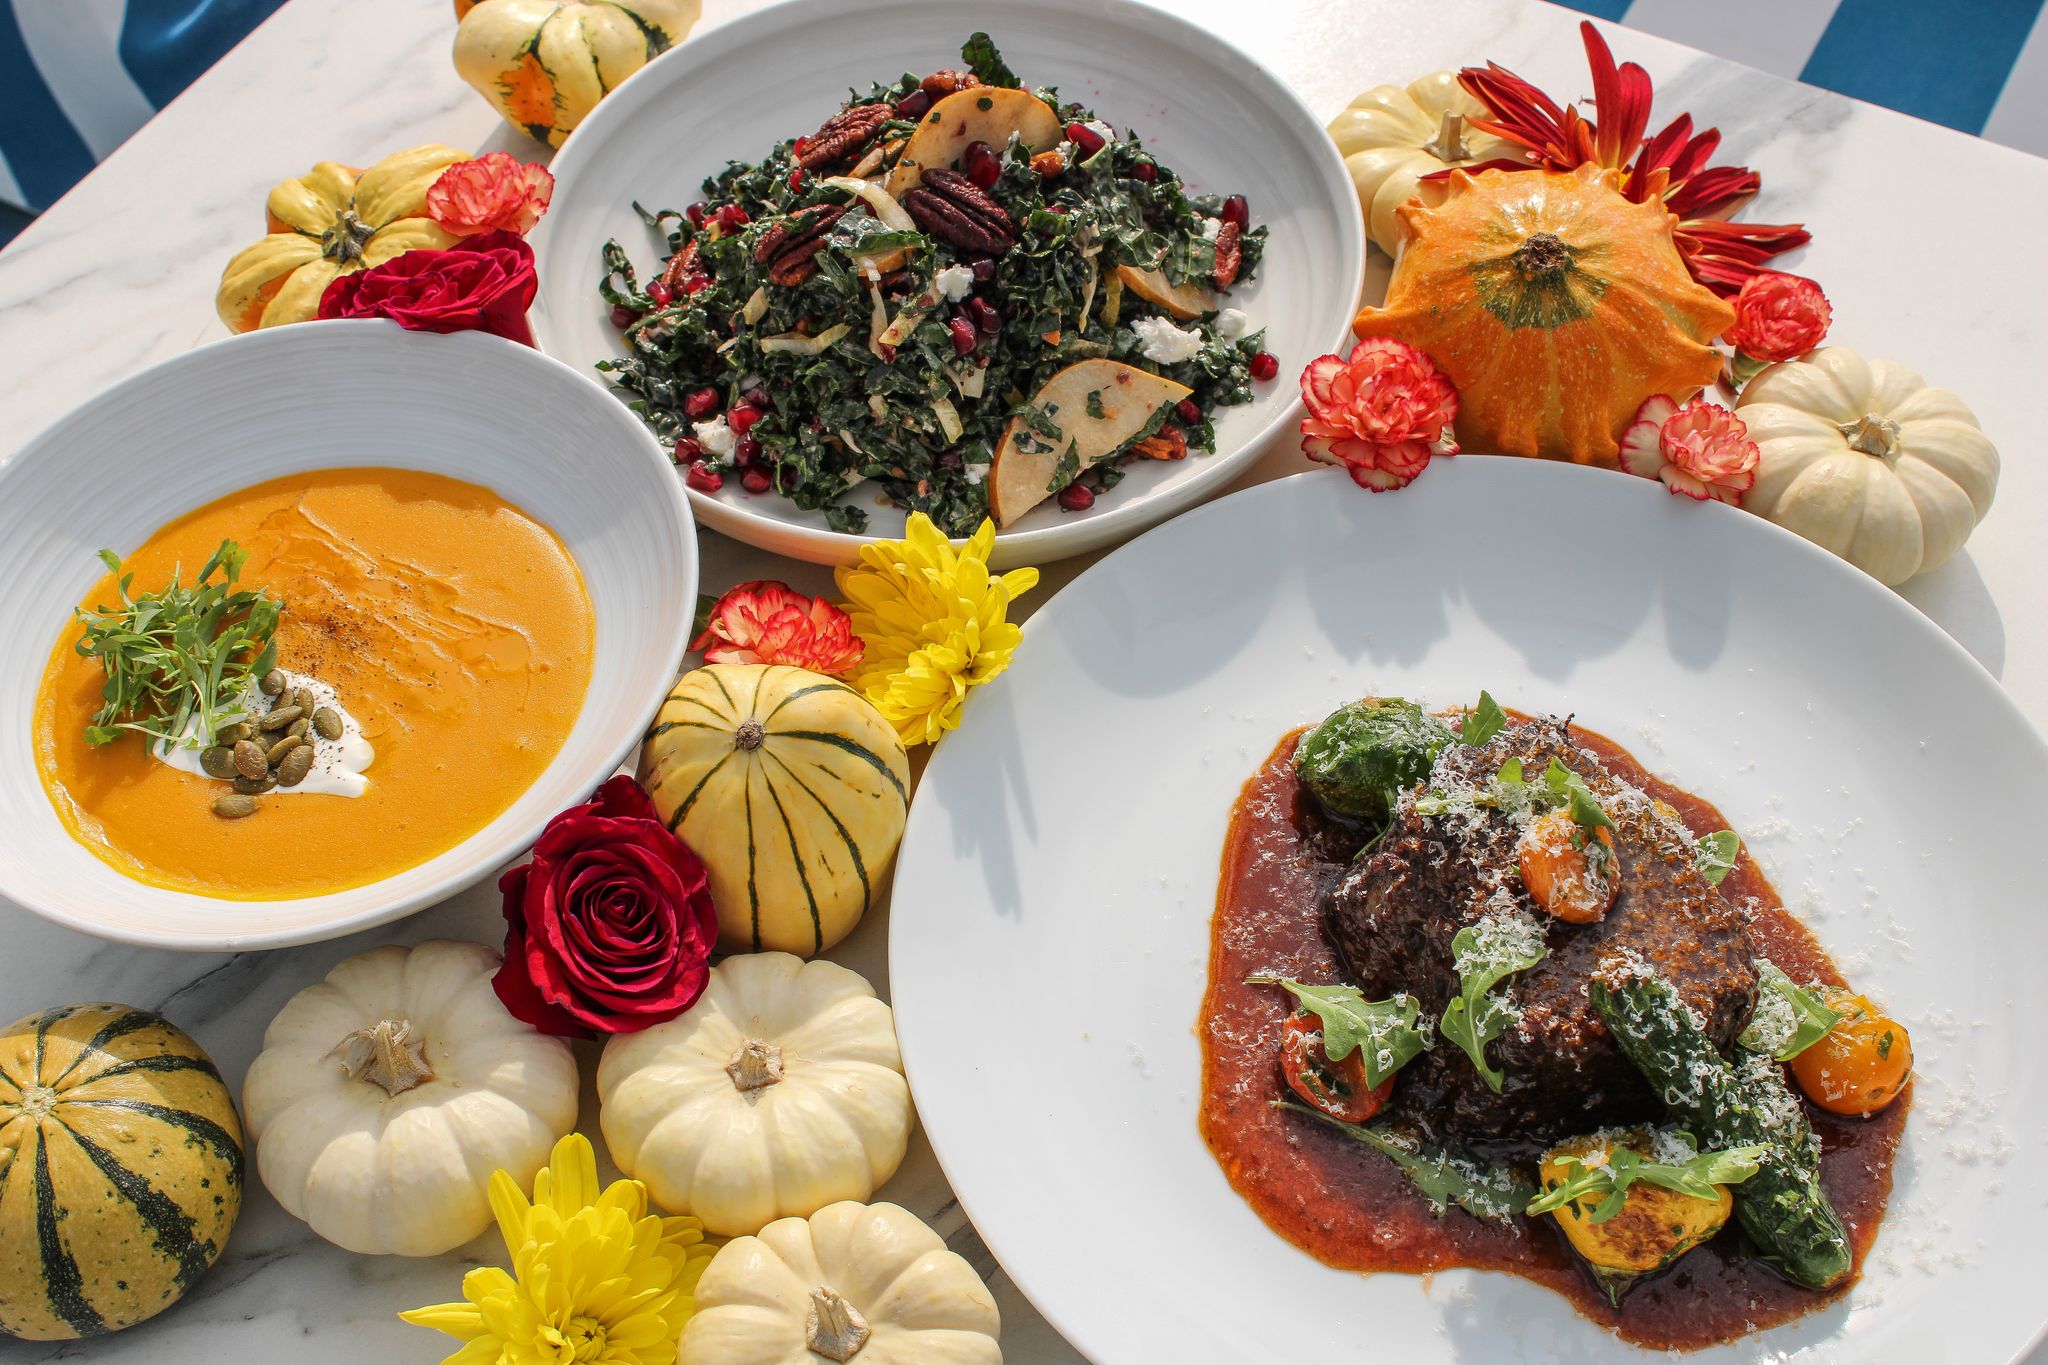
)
(483, 283)
(1779, 317)
(610, 927)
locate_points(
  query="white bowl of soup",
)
(484, 574)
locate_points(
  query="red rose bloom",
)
(772, 623)
(483, 283)
(610, 928)
(1779, 317)
(495, 192)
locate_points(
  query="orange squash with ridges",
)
(1553, 303)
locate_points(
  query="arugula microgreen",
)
(1443, 1177)
(1787, 1018)
(1586, 811)
(1608, 1179)
(179, 660)
(1486, 953)
(1714, 854)
(1385, 1030)
(1483, 721)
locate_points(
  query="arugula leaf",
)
(1609, 1181)
(1714, 854)
(1510, 776)
(979, 52)
(1483, 721)
(1443, 1177)
(1385, 1029)
(1787, 1018)
(1585, 809)
(1486, 953)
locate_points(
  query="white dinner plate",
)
(1049, 934)
(1209, 111)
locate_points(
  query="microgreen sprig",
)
(1608, 1180)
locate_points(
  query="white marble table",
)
(1923, 242)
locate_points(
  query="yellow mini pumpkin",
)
(792, 789)
(1553, 303)
(545, 64)
(333, 220)
(120, 1170)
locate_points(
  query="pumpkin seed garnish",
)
(247, 786)
(219, 761)
(300, 727)
(278, 719)
(327, 721)
(235, 807)
(228, 734)
(248, 759)
(272, 683)
(281, 748)
(303, 699)
(296, 765)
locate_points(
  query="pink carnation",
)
(1701, 450)
(496, 192)
(1381, 413)
(771, 623)
(1779, 317)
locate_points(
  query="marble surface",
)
(1923, 241)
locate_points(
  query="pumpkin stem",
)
(1542, 256)
(750, 734)
(347, 238)
(834, 1328)
(385, 1054)
(1449, 143)
(1873, 435)
(757, 1064)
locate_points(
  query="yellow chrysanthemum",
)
(595, 1279)
(934, 622)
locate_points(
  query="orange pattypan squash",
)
(1554, 304)
(333, 220)
(546, 63)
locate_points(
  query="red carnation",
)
(610, 928)
(495, 192)
(1779, 317)
(483, 283)
(771, 623)
(1381, 413)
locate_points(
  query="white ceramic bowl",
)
(318, 396)
(1223, 121)
(1049, 923)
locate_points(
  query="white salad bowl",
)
(1225, 123)
(316, 396)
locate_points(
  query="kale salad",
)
(971, 295)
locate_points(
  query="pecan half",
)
(683, 274)
(845, 133)
(1229, 254)
(955, 210)
(946, 81)
(788, 248)
(1170, 443)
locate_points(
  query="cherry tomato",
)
(1863, 1062)
(1563, 874)
(1336, 1088)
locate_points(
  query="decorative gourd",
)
(778, 1092)
(792, 789)
(333, 220)
(120, 1170)
(863, 1283)
(1392, 136)
(1865, 460)
(386, 1095)
(1555, 305)
(544, 64)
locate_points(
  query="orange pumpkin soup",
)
(455, 629)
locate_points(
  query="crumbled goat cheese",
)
(1165, 343)
(1210, 227)
(976, 473)
(954, 282)
(715, 436)
(1230, 324)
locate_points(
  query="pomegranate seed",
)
(661, 293)
(688, 448)
(796, 178)
(732, 217)
(703, 479)
(963, 333)
(756, 481)
(951, 459)
(1265, 365)
(697, 212)
(980, 163)
(1189, 412)
(984, 268)
(1077, 497)
(623, 317)
(985, 315)
(741, 418)
(1085, 138)
(701, 404)
(696, 284)
(913, 105)
(747, 451)
(788, 479)
(1145, 171)
(1235, 210)
(758, 399)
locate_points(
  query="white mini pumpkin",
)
(779, 1092)
(1864, 459)
(1391, 136)
(386, 1095)
(863, 1283)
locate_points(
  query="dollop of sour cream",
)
(340, 766)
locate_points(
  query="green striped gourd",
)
(792, 789)
(120, 1169)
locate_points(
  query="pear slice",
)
(1184, 301)
(1097, 405)
(980, 113)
